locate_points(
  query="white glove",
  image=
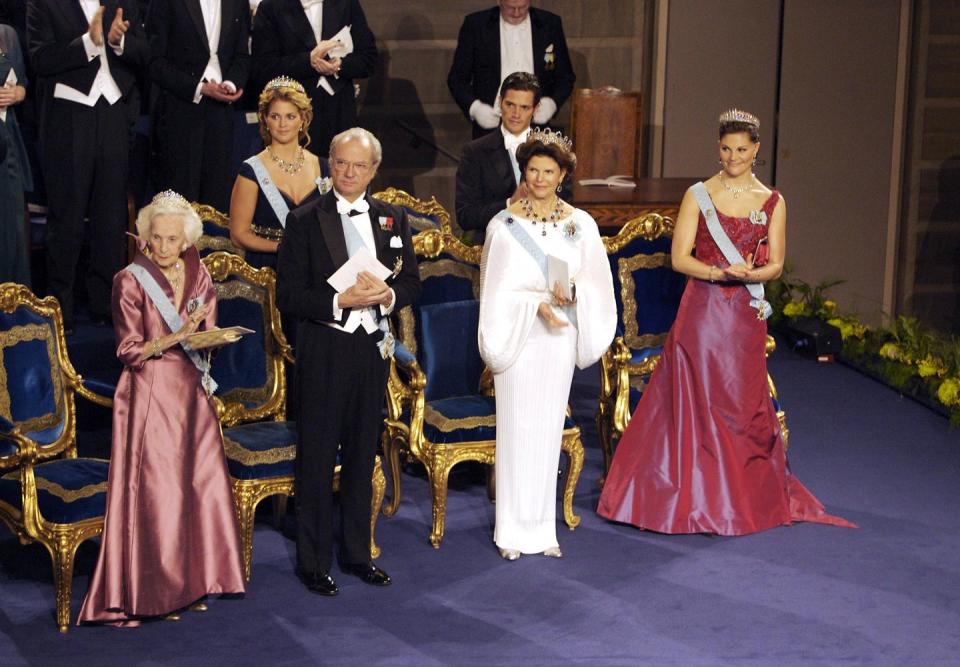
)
(485, 115)
(544, 111)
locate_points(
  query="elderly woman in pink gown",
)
(170, 534)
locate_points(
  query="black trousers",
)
(193, 146)
(341, 380)
(85, 153)
(332, 114)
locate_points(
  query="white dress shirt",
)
(359, 316)
(516, 48)
(314, 12)
(104, 84)
(211, 23)
(512, 142)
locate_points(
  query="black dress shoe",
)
(367, 573)
(320, 583)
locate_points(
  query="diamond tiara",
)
(546, 136)
(284, 82)
(739, 116)
(171, 199)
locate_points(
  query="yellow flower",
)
(890, 351)
(846, 328)
(930, 366)
(829, 306)
(949, 392)
(793, 309)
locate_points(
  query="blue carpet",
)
(888, 592)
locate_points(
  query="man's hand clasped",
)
(367, 291)
(223, 92)
(118, 27)
(319, 61)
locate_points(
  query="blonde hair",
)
(172, 204)
(293, 94)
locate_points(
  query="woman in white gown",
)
(532, 334)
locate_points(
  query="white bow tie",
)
(345, 208)
(512, 142)
(307, 4)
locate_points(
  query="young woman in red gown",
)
(703, 452)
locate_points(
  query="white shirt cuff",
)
(92, 49)
(119, 49)
(337, 310)
(197, 95)
(386, 310)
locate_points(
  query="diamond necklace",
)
(527, 206)
(291, 167)
(736, 191)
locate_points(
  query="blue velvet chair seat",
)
(463, 419)
(68, 490)
(261, 450)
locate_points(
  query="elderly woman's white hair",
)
(361, 135)
(169, 202)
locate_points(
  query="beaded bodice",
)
(744, 233)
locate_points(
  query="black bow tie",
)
(352, 213)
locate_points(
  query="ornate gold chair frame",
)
(61, 540)
(421, 213)
(208, 243)
(237, 408)
(406, 387)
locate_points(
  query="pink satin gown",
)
(703, 452)
(170, 535)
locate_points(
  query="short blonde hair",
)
(295, 95)
(170, 203)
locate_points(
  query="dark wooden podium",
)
(612, 207)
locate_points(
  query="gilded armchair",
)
(260, 444)
(47, 494)
(647, 292)
(422, 215)
(216, 231)
(440, 408)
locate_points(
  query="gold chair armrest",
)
(90, 395)
(408, 391)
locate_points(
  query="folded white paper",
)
(345, 48)
(11, 81)
(363, 260)
(558, 271)
(615, 181)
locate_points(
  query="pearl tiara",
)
(546, 136)
(284, 82)
(739, 116)
(171, 199)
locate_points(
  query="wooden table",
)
(612, 207)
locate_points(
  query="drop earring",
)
(754, 163)
(559, 188)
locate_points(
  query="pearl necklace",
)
(736, 191)
(291, 167)
(527, 206)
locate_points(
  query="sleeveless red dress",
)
(703, 452)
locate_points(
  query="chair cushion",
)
(31, 383)
(421, 221)
(448, 351)
(464, 419)
(68, 490)
(261, 450)
(241, 369)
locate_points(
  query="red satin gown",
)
(170, 533)
(703, 452)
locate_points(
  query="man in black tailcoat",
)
(294, 38)
(200, 65)
(342, 354)
(494, 43)
(86, 56)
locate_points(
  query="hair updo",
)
(565, 158)
(279, 89)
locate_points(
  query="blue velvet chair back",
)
(646, 287)
(449, 354)
(32, 392)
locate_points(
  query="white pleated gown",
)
(533, 363)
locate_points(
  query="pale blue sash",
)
(729, 250)
(535, 251)
(173, 322)
(354, 243)
(270, 191)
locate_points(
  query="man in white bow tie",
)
(343, 349)
(488, 178)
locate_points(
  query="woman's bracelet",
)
(155, 347)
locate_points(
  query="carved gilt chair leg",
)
(246, 509)
(573, 447)
(62, 553)
(603, 434)
(379, 489)
(391, 451)
(439, 472)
